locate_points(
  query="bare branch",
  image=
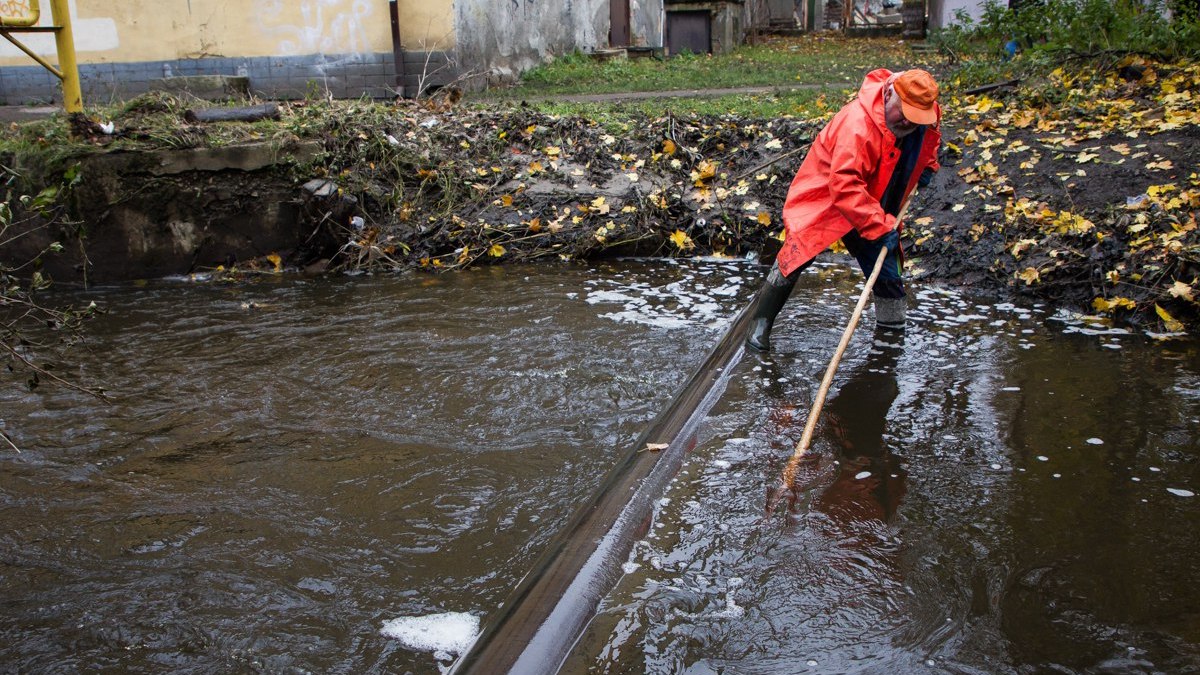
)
(42, 371)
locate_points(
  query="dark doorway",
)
(689, 32)
(618, 32)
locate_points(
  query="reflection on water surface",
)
(291, 465)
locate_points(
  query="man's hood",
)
(870, 96)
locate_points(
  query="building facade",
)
(298, 48)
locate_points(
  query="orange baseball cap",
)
(918, 96)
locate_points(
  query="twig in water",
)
(9, 441)
(42, 371)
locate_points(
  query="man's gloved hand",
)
(890, 241)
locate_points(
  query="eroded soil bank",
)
(1081, 189)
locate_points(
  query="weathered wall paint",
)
(498, 39)
(646, 19)
(92, 33)
(126, 31)
(288, 48)
(942, 12)
(291, 48)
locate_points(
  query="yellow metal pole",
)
(25, 20)
(64, 40)
(32, 54)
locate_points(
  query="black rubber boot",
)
(771, 297)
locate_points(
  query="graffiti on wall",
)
(524, 6)
(98, 34)
(320, 26)
(14, 8)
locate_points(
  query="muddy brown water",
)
(290, 464)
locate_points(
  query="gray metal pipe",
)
(539, 624)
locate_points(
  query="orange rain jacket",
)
(843, 178)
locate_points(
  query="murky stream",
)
(289, 465)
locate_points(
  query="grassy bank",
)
(777, 62)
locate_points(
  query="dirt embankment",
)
(1080, 189)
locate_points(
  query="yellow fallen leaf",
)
(1072, 223)
(496, 250)
(1108, 305)
(1019, 247)
(1023, 118)
(1171, 323)
(764, 218)
(599, 205)
(1164, 165)
(655, 447)
(276, 261)
(1029, 275)
(958, 207)
(923, 221)
(1086, 156)
(552, 151)
(506, 200)
(773, 144)
(1181, 290)
(681, 240)
(669, 147)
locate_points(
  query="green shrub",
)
(1083, 27)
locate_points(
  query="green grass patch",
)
(778, 62)
(801, 104)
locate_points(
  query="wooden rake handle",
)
(789, 471)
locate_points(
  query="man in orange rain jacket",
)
(859, 171)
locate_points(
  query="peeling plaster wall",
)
(941, 12)
(498, 39)
(288, 48)
(646, 23)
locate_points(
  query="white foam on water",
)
(1136, 479)
(1043, 458)
(1011, 389)
(996, 467)
(732, 609)
(449, 633)
(630, 567)
(1057, 475)
(721, 464)
(1155, 469)
(1181, 493)
(1095, 441)
(861, 475)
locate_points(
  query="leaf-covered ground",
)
(1080, 188)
